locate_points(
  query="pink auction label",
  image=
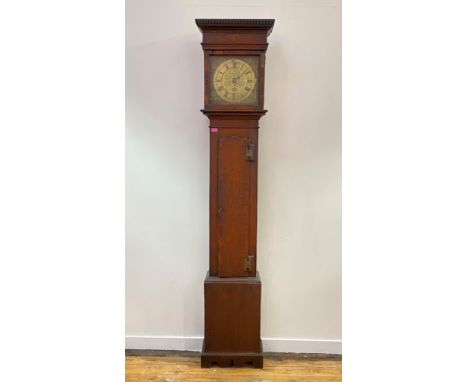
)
(214, 129)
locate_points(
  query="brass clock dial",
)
(234, 80)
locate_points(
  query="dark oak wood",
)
(235, 37)
(235, 359)
(233, 202)
(228, 37)
(232, 314)
(233, 286)
(232, 322)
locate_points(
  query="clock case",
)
(232, 285)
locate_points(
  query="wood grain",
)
(186, 367)
(232, 315)
(233, 200)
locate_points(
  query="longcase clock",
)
(234, 57)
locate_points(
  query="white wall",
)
(299, 216)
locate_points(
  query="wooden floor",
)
(185, 366)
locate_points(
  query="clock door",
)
(236, 216)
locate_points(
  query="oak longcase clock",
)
(234, 69)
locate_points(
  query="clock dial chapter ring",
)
(234, 80)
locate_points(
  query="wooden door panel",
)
(233, 207)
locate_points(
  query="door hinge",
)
(248, 266)
(250, 152)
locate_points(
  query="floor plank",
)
(186, 367)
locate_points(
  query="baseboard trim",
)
(273, 345)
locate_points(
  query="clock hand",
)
(241, 74)
(246, 70)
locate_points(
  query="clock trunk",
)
(233, 203)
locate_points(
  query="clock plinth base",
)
(209, 359)
(232, 322)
